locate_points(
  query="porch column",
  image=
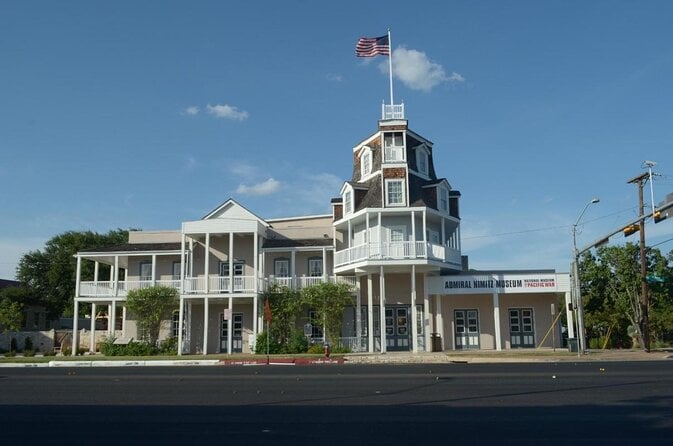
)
(426, 314)
(231, 262)
(413, 234)
(109, 321)
(293, 269)
(230, 326)
(154, 269)
(368, 238)
(181, 316)
(92, 343)
(382, 313)
(115, 277)
(370, 314)
(95, 273)
(414, 311)
(425, 229)
(113, 317)
(439, 320)
(183, 265)
(124, 321)
(324, 265)
(358, 312)
(496, 321)
(206, 264)
(205, 325)
(75, 326)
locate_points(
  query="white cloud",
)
(192, 110)
(226, 111)
(243, 169)
(267, 187)
(417, 71)
(333, 77)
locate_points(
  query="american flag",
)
(372, 46)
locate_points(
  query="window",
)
(433, 237)
(315, 267)
(176, 270)
(348, 202)
(175, 323)
(316, 325)
(281, 267)
(394, 146)
(366, 163)
(395, 192)
(422, 161)
(443, 199)
(239, 266)
(145, 272)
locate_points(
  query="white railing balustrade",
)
(394, 111)
(397, 251)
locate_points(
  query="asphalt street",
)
(554, 403)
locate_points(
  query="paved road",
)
(580, 403)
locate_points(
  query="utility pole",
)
(645, 300)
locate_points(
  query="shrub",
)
(260, 345)
(315, 349)
(27, 344)
(28, 353)
(297, 343)
(169, 346)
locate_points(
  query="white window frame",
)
(394, 151)
(315, 267)
(142, 265)
(239, 267)
(278, 267)
(422, 161)
(403, 192)
(443, 200)
(348, 201)
(366, 163)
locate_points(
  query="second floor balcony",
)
(197, 285)
(395, 251)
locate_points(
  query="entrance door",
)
(466, 329)
(237, 333)
(398, 329)
(521, 331)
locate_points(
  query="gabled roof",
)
(232, 206)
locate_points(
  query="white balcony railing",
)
(394, 111)
(397, 251)
(216, 285)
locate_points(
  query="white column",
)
(358, 312)
(75, 327)
(181, 323)
(115, 277)
(95, 272)
(324, 264)
(370, 314)
(569, 316)
(382, 313)
(230, 326)
(414, 311)
(439, 320)
(92, 343)
(113, 317)
(206, 264)
(255, 327)
(496, 321)
(205, 324)
(293, 269)
(154, 269)
(183, 267)
(109, 320)
(426, 314)
(231, 262)
(413, 233)
(124, 321)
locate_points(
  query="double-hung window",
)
(366, 163)
(145, 271)
(393, 144)
(395, 193)
(315, 267)
(348, 202)
(422, 161)
(443, 199)
(281, 267)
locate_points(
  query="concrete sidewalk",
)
(507, 356)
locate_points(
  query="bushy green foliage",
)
(169, 346)
(151, 306)
(260, 345)
(133, 348)
(11, 315)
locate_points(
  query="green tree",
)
(286, 305)
(50, 273)
(11, 315)
(612, 290)
(151, 306)
(328, 301)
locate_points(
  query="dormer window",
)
(395, 192)
(348, 202)
(366, 162)
(393, 144)
(422, 161)
(443, 199)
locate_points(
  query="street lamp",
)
(581, 346)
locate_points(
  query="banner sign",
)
(494, 283)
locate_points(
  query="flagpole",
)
(390, 66)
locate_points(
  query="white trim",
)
(402, 182)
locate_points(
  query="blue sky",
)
(146, 114)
